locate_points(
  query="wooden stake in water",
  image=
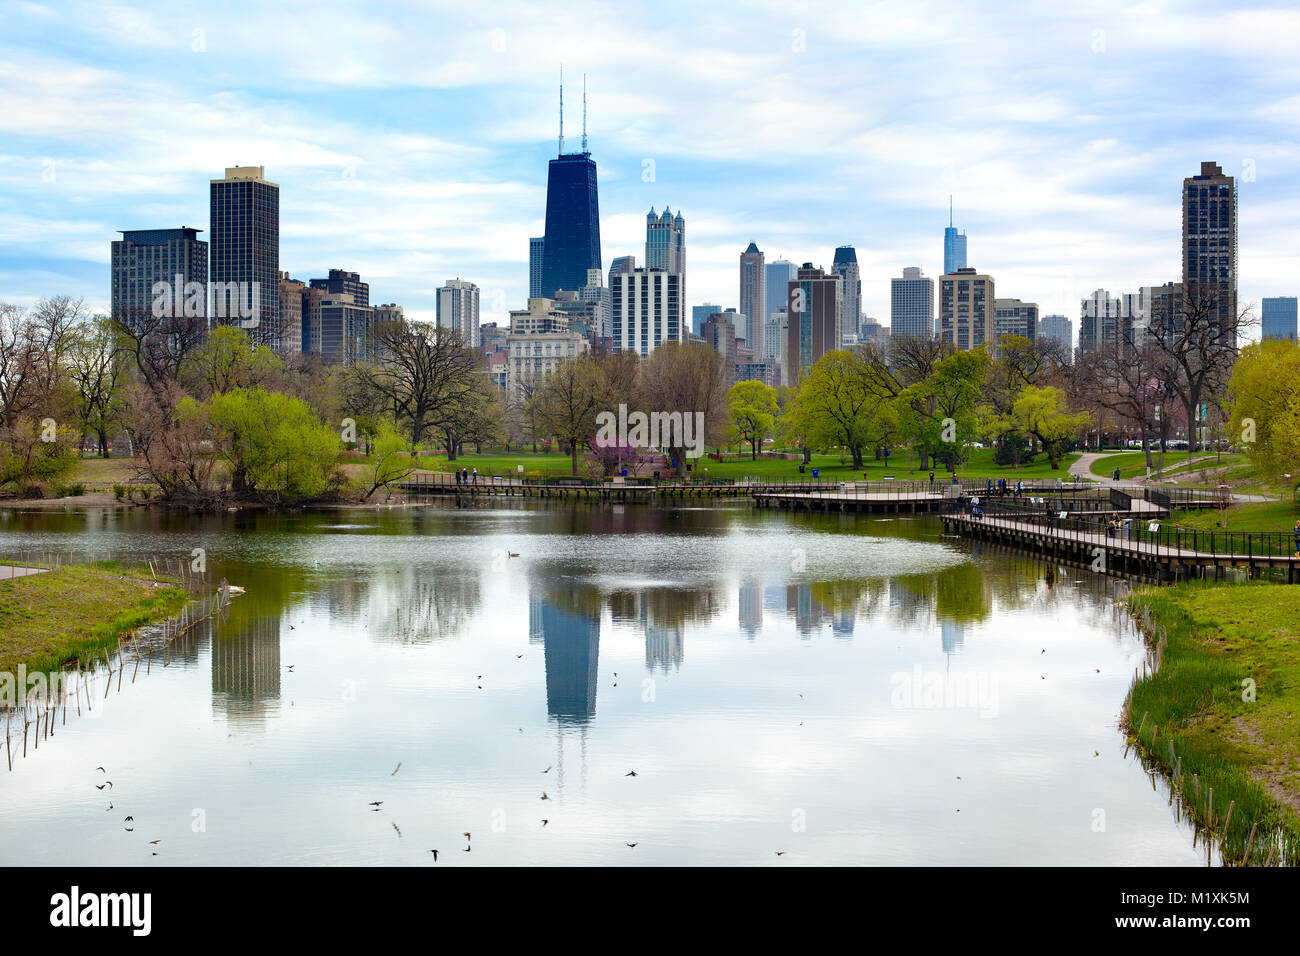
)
(1249, 839)
(1228, 819)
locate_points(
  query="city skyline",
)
(1075, 189)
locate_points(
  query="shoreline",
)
(1217, 713)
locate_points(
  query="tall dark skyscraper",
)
(1210, 238)
(571, 245)
(143, 257)
(244, 230)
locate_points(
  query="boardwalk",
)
(1147, 547)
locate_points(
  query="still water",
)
(836, 689)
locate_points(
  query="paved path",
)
(7, 572)
(1082, 468)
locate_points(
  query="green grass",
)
(901, 465)
(1265, 516)
(1133, 464)
(76, 611)
(1220, 638)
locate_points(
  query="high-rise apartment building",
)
(291, 337)
(1210, 240)
(647, 310)
(458, 309)
(244, 231)
(144, 257)
(1279, 318)
(845, 266)
(753, 293)
(344, 329)
(1113, 320)
(1061, 329)
(342, 282)
(536, 245)
(779, 275)
(1013, 317)
(814, 308)
(966, 308)
(911, 304)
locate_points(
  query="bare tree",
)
(1196, 341)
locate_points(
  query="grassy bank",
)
(1261, 516)
(901, 465)
(77, 611)
(1227, 698)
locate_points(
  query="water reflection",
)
(774, 680)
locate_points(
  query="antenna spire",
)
(584, 112)
(561, 109)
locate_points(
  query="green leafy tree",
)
(392, 458)
(753, 410)
(1265, 399)
(842, 406)
(1044, 414)
(273, 444)
(939, 412)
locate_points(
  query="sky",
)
(410, 140)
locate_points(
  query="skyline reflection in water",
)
(748, 665)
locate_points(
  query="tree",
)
(392, 459)
(32, 350)
(477, 415)
(1265, 399)
(939, 412)
(96, 370)
(686, 378)
(229, 359)
(841, 405)
(1124, 379)
(569, 399)
(1043, 413)
(422, 370)
(1195, 338)
(273, 444)
(753, 412)
(34, 453)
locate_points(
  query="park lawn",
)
(1221, 638)
(1263, 516)
(1133, 464)
(101, 474)
(76, 611)
(901, 466)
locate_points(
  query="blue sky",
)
(410, 140)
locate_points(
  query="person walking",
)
(1115, 474)
(1297, 539)
(476, 475)
(932, 481)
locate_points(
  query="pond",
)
(714, 684)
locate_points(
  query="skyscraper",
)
(341, 282)
(571, 245)
(966, 308)
(911, 304)
(536, 245)
(846, 267)
(647, 310)
(1279, 318)
(1210, 239)
(813, 328)
(753, 294)
(620, 265)
(143, 257)
(701, 312)
(458, 308)
(777, 279)
(1060, 328)
(1013, 317)
(954, 246)
(244, 228)
(665, 241)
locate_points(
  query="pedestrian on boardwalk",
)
(476, 476)
(1297, 539)
(931, 481)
